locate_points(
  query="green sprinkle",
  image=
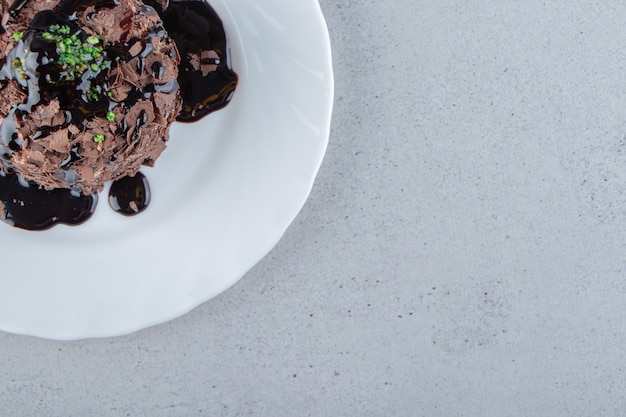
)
(75, 54)
(110, 116)
(99, 138)
(18, 35)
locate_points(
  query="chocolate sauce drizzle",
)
(130, 195)
(25, 205)
(197, 29)
(206, 84)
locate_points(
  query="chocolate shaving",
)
(11, 95)
(209, 60)
(58, 141)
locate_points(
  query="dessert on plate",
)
(88, 92)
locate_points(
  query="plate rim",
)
(307, 187)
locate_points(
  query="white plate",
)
(223, 194)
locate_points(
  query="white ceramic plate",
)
(223, 194)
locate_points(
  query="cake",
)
(88, 91)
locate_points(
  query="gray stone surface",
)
(462, 253)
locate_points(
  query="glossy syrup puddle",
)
(33, 208)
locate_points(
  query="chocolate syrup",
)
(27, 206)
(130, 195)
(196, 28)
(206, 84)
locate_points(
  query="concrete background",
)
(462, 253)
